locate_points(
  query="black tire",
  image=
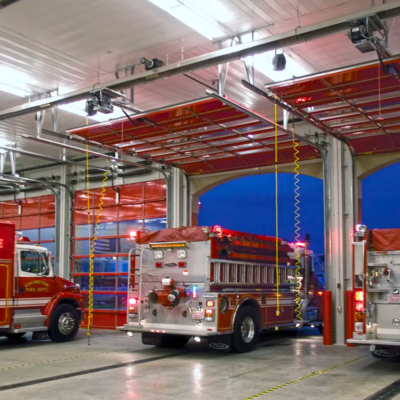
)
(386, 353)
(64, 323)
(163, 340)
(15, 336)
(244, 340)
(321, 329)
(173, 341)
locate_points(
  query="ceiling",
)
(205, 136)
(360, 105)
(69, 44)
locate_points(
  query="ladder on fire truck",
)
(229, 272)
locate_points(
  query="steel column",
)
(287, 39)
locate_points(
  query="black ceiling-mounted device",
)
(151, 63)
(368, 34)
(279, 62)
(101, 101)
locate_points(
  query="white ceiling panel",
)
(75, 44)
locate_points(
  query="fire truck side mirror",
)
(46, 271)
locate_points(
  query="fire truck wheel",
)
(386, 353)
(15, 336)
(64, 323)
(245, 330)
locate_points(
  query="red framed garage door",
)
(34, 216)
(140, 205)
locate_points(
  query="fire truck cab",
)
(374, 303)
(219, 285)
(32, 298)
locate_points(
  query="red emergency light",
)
(133, 235)
(359, 306)
(217, 229)
(1, 243)
(359, 296)
(302, 99)
(23, 239)
(133, 301)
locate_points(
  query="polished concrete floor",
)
(136, 372)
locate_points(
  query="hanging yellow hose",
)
(297, 228)
(276, 214)
(94, 238)
(90, 297)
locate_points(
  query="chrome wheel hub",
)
(247, 329)
(66, 323)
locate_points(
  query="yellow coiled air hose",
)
(94, 238)
(298, 315)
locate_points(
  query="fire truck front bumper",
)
(172, 330)
(376, 342)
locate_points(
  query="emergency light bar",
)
(167, 245)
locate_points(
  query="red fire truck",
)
(374, 304)
(32, 299)
(219, 285)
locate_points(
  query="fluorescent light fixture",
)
(197, 16)
(15, 82)
(190, 14)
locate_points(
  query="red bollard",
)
(349, 316)
(327, 316)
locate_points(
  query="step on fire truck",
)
(216, 284)
(32, 299)
(374, 303)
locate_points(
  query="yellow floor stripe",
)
(302, 379)
(62, 359)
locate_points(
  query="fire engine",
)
(32, 298)
(374, 303)
(219, 285)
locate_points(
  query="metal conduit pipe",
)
(93, 153)
(279, 102)
(49, 158)
(25, 190)
(263, 119)
(100, 155)
(79, 139)
(280, 41)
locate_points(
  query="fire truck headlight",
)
(182, 253)
(130, 334)
(158, 254)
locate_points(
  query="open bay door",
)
(7, 249)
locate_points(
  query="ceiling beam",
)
(299, 35)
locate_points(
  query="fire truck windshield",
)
(34, 262)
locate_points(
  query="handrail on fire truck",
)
(131, 285)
